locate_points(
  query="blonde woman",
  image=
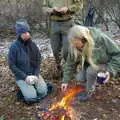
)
(95, 52)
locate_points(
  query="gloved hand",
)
(31, 79)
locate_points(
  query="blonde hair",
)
(86, 53)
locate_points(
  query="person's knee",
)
(30, 94)
(44, 89)
(91, 71)
(27, 90)
(41, 86)
(91, 74)
(80, 76)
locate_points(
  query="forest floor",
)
(105, 105)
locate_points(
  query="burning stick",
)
(62, 110)
(65, 103)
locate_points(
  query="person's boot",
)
(19, 95)
(59, 72)
(85, 96)
(82, 96)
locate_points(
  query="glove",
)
(64, 87)
(31, 79)
(35, 78)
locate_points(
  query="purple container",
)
(101, 77)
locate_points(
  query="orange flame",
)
(64, 103)
(63, 117)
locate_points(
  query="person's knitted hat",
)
(21, 26)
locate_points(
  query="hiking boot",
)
(19, 95)
(85, 96)
(82, 97)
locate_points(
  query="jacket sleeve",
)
(69, 70)
(113, 65)
(37, 70)
(12, 56)
(76, 6)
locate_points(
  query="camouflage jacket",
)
(74, 6)
(106, 52)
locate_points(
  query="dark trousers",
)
(59, 39)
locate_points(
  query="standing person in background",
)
(24, 61)
(95, 52)
(61, 14)
(89, 17)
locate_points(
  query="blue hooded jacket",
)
(18, 57)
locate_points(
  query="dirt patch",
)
(104, 106)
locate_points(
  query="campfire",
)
(62, 110)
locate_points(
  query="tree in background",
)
(11, 10)
(106, 10)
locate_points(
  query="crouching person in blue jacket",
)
(24, 61)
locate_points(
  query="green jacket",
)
(105, 52)
(73, 7)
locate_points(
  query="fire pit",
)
(61, 110)
(59, 114)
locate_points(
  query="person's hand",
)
(63, 10)
(64, 87)
(31, 79)
(35, 78)
(56, 9)
(50, 10)
(107, 77)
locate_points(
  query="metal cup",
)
(101, 77)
